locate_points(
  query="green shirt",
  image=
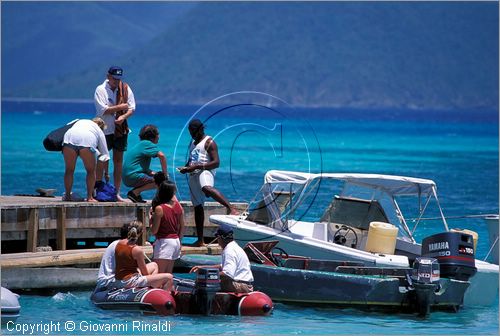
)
(137, 161)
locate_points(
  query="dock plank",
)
(80, 257)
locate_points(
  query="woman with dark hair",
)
(136, 171)
(129, 258)
(168, 227)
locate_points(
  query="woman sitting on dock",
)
(168, 227)
(129, 257)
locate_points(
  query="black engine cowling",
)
(206, 286)
(454, 252)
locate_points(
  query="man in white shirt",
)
(236, 275)
(115, 103)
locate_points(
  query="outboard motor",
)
(454, 252)
(426, 271)
(206, 285)
(425, 281)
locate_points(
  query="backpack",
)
(53, 142)
(105, 192)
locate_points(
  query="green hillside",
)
(357, 54)
(44, 40)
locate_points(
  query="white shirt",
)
(105, 98)
(235, 263)
(87, 133)
(107, 268)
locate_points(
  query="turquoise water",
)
(456, 149)
(68, 307)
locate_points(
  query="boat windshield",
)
(334, 201)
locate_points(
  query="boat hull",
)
(300, 286)
(483, 289)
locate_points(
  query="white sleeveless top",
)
(198, 153)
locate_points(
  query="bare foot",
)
(120, 199)
(232, 211)
(199, 243)
(92, 200)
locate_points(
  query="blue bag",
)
(105, 192)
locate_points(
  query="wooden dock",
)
(45, 221)
(35, 224)
(65, 269)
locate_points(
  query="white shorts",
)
(136, 280)
(167, 248)
(198, 181)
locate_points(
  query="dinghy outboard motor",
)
(206, 285)
(425, 281)
(454, 252)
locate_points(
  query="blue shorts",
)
(77, 149)
(142, 180)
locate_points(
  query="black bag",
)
(53, 142)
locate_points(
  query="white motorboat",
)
(354, 217)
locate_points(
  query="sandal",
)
(135, 198)
(73, 197)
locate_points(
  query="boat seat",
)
(316, 230)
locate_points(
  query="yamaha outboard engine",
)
(425, 281)
(454, 252)
(206, 285)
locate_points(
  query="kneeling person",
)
(136, 171)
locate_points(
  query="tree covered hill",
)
(43, 40)
(356, 54)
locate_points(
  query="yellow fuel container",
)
(381, 238)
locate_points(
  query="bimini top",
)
(393, 185)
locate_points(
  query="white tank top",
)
(198, 153)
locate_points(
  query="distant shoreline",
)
(160, 102)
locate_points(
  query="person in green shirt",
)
(136, 171)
